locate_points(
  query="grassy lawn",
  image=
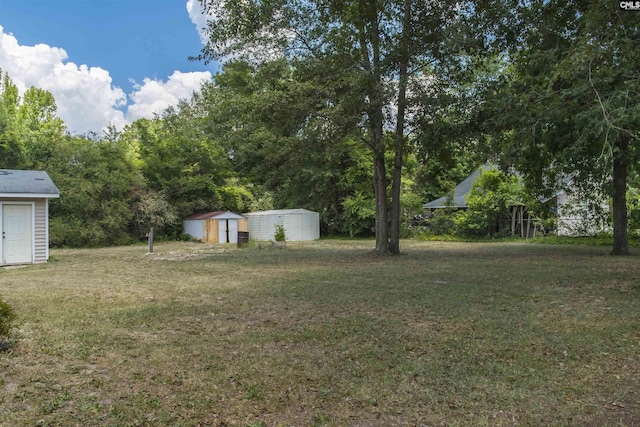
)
(325, 333)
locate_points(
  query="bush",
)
(7, 318)
(442, 222)
(489, 200)
(279, 236)
(359, 216)
(184, 237)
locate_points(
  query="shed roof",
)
(459, 199)
(216, 214)
(279, 212)
(22, 183)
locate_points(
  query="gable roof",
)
(459, 199)
(216, 214)
(23, 184)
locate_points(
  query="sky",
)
(104, 61)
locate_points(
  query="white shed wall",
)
(263, 227)
(293, 227)
(194, 227)
(311, 226)
(299, 224)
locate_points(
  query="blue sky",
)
(105, 61)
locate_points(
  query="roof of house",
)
(22, 183)
(216, 214)
(459, 199)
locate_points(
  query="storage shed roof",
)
(21, 183)
(216, 214)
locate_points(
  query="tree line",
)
(361, 111)
(236, 145)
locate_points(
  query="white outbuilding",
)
(24, 216)
(299, 224)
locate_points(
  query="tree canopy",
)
(359, 111)
(572, 90)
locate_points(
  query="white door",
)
(228, 228)
(233, 230)
(222, 231)
(17, 234)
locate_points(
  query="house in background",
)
(458, 200)
(574, 216)
(215, 227)
(579, 216)
(298, 224)
(24, 216)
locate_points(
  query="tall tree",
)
(11, 151)
(573, 98)
(39, 127)
(369, 52)
(267, 120)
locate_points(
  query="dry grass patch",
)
(324, 333)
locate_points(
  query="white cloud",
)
(153, 96)
(199, 19)
(85, 96)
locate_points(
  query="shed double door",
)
(17, 234)
(228, 231)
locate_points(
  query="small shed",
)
(24, 216)
(215, 227)
(299, 224)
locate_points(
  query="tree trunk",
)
(399, 141)
(620, 161)
(380, 188)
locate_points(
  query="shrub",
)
(359, 216)
(279, 236)
(489, 201)
(184, 237)
(442, 222)
(7, 318)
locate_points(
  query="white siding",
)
(263, 227)
(311, 226)
(577, 217)
(299, 224)
(194, 227)
(40, 229)
(293, 227)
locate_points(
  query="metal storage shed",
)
(24, 216)
(299, 224)
(215, 227)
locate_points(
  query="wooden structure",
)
(24, 216)
(522, 223)
(215, 227)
